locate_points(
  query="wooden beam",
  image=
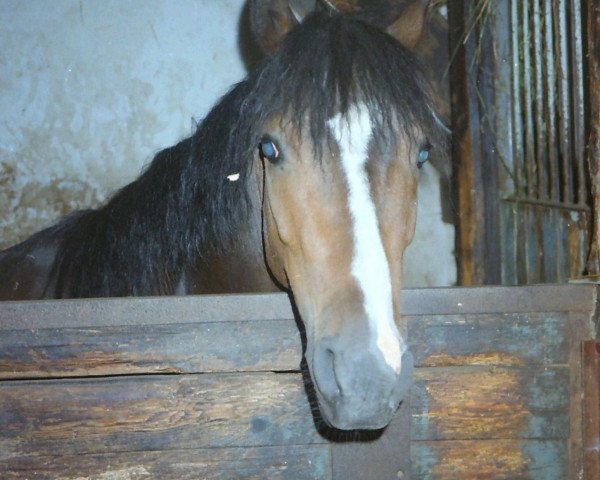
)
(591, 410)
(474, 158)
(16, 315)
(592, 35)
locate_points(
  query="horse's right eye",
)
(268, 149)
(423, 155)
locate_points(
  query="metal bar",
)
(503, 124)
(509, 243)
(558, 231)
(504, 141)
(549, 203)
(533, 250)
(564, 117)
(574, 240)
(553, 157)
(521, 239)
(551, 102)
(517, 114)
(518, 48)
(541, 158)
(562, 257)
(581, 241)
(527, 100)
(578, 100)
(548, 222)
(489, 156)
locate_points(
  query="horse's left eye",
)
(269, 150)
(423, 156)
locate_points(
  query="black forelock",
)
(329, 63)
(325, 65)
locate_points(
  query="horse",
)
(303, 178)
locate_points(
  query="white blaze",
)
(369, 263)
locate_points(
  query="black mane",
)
(183, 207)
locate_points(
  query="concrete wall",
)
(90, 91)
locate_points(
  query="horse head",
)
(338, 185)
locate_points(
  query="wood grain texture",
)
(261, 345)
(513, 459)
(469, 403)
(110, 415)
(270, 345)
(298, 462)
(200, 411)
(489, 339)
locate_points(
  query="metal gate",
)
(519, 66)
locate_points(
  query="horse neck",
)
(239, 269)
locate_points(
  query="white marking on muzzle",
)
(369, 264)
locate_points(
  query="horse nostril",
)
(326, 377)
(332, 369)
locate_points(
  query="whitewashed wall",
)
(91, 90)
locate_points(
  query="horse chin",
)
(358, 410)
(341, 418)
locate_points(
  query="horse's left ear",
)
(271, 20)
(408, 28)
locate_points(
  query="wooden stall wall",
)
(592, 42)
(209, 387)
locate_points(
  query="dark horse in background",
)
(303, 177)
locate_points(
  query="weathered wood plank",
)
(592, 39)
(97, 312)
(265, 409)
(192, 309)
(500, 299)
(152, 413)
(468, 161)
(489, 459)
(591, 410)
(296, 462)
(490, 402)
(489, 339)
(579, 332)
(261, 345)
(266, 345)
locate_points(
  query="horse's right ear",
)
(271, 20)
(409, 27)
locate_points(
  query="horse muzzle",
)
(358, 390)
